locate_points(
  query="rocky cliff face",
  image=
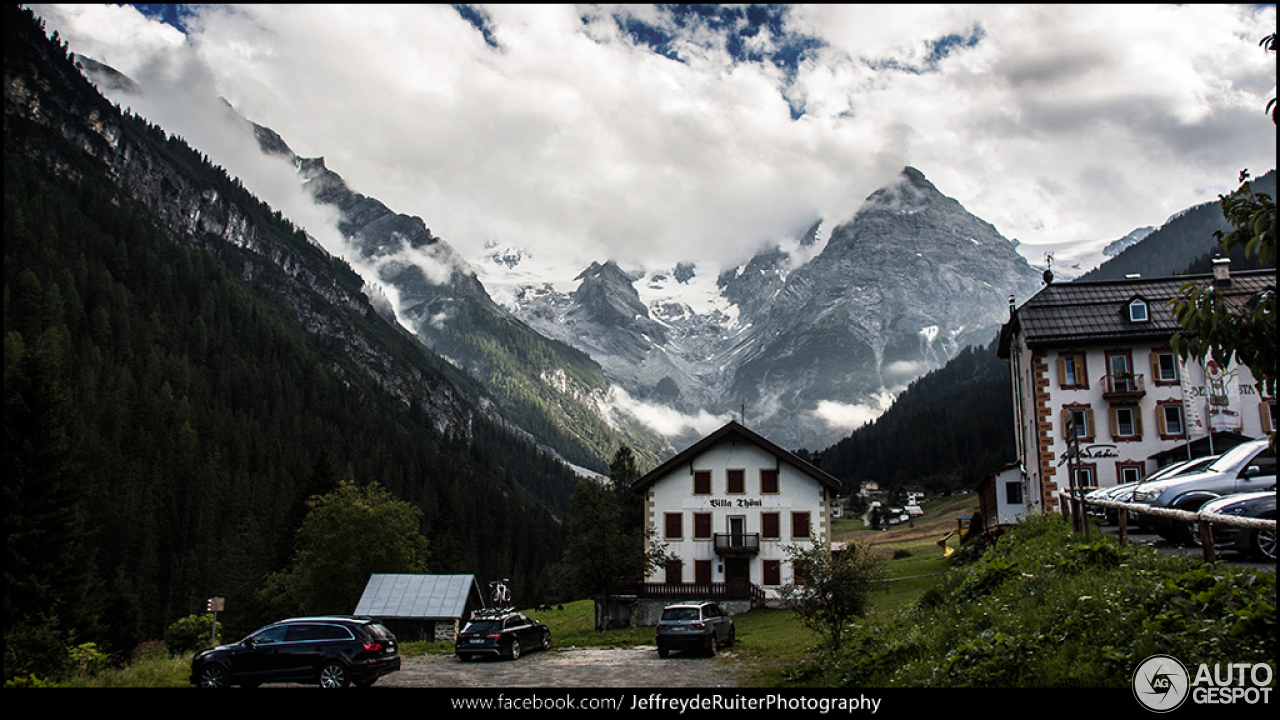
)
(805, 338)
(896, 292)
(55, 116)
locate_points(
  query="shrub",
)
(86, 660)
(149, 650)
(189, 634)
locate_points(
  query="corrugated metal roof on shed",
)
(416, 596)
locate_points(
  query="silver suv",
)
(1247, 467)
(694, 626)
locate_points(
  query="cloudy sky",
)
(649, 135)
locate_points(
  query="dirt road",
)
(570, 667)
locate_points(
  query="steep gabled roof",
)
(734, 432)
(1092, 312)
(416, 596)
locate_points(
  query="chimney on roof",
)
(1221, 271)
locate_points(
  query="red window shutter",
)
(770, 526)
(702, 526)
(702, 571)
(675, 525)
(769, 481)
(772, 572)
(702, 482)
(800, 524)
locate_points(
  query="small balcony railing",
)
(736, 544)
(1123, 386)
(736, 590)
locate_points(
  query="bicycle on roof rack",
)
(500, 594)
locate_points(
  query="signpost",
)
(215, 606)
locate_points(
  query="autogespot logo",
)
(1160, 683)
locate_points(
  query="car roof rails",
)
(494, 612)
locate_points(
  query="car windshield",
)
(679, 614)
(1233, 457)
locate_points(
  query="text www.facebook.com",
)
(658, 701)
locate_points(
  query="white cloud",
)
(665, 420)
(846, 416)
(1055, 123)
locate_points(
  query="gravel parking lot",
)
(570, 667)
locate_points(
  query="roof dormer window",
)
(1138, 310)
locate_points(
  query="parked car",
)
(1124, 492)
(332, 651)
(1247, 467)
(500, 632)
(1246, 505)
(694, 626)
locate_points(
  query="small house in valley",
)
(728, 508)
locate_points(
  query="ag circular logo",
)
(1160, 683)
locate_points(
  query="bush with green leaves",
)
(189, 634)
(86, 660)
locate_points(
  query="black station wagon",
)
(500, 633)
(332, 652)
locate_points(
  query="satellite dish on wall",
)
(1048, 277)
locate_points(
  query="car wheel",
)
(515, 649)
(367, 683)
(334, 675)
(712, 648)
(546, 640)
(214, 675)
(733, 637)
(663, 652)
(1264, 543)
(465, 658)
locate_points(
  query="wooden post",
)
(1122, 519)
(1206, 542)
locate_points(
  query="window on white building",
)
(1013, 493)
(1077, 420)
(1170, 417)
(1164, 367)
(1128, 473)
(1126, 424)
(1071, 371)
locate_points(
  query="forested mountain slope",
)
(944, 432)
(183, 369)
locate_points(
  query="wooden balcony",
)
(737, 545)
(1123, 387)
(689, 591)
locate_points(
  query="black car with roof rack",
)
(500, 632)
(332, 651)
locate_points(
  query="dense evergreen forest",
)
(944, 432)
(1187, 235)
(166, 422)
